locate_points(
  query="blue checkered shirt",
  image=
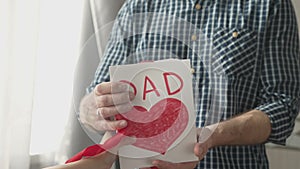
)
(245, 55)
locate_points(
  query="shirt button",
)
(235, 34)
(194, 37)
(198, 6)
(192, 70)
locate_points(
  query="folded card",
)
(162, 119)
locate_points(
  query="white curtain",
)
(39, 45)
(18, 37)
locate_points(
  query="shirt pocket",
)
(234, 52)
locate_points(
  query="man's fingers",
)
(114, 99)
(204, 140)
(110, 87)
(110, 125)
(200, 150)
(110, 98)
(107, 112)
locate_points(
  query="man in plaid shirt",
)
(245, 55)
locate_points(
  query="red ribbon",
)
(87, 152)
(97, 148)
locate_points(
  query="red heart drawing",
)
(155, 130)
(158, 128)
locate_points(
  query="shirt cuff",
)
(282, 119)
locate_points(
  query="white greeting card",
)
(163, 119)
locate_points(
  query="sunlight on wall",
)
(60, 23)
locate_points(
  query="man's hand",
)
(201, 148)
(204, 141)
(99, 107)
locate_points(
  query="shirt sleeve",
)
(280, 75)
(117, 48)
